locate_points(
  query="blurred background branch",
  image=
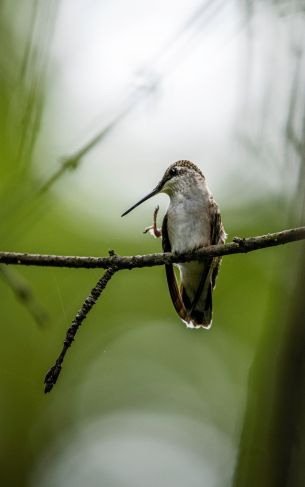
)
(151, 76)
(23, 292)
(271, 452)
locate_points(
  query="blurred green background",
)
(97, 99)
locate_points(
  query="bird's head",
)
(178, 175)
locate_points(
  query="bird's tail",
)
(198, 312)
(199, 315)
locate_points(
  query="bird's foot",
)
(153, 229)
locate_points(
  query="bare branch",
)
(238, 246)
(53, 374)
(114, 263)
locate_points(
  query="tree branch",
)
(238, 246)
(53, 374)
(114, 263)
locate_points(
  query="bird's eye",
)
(173, 171)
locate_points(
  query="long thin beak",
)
(150, 195)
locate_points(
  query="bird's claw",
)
(153, 230)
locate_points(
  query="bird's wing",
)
(218, 236)
(170, 275)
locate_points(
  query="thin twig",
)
(53, 374)
(238, 246)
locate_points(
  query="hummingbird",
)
(192, 221)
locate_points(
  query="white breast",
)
(188, 221)
(189, 227)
